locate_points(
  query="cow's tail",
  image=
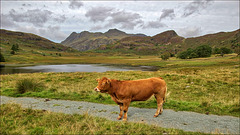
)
(167, 94)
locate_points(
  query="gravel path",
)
(187, 121)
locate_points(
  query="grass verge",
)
(17, 120)
(212, 90)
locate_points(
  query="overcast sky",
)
(55, 20)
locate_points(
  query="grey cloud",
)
(95, 28)
(195, 7)
(36, 16)
(27, 29)
(6, 21)
(51, 32)
(99, 14)
(127, 20)
(167, 13)
(154, 24)
(55, 33)
(190, 31)
(24, 5)
(60, 18)
(74, 4)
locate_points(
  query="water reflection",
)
(69, 68)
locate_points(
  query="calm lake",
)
(71, 68)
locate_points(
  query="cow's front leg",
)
(121, 112)
(159, 105)
(125, 109)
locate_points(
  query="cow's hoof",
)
(119, 118)
(155, 116)
(124, 119)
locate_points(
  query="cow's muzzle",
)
(96, 89)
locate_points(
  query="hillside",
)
(29, 40)
(31, 48)
(171, 42)
(221, 39)
(87, 40)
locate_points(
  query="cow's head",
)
(103, 85)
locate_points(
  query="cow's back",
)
(140, 90)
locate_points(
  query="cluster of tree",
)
(1, 58)
(14, 49)
(58, 54)
(222, 51)
(203, 51)
(199, 52)
(237, 50)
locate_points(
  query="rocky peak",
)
(167, 37)
(169, 33)
(73, 33)
(84, 33)
(70, 38)
(114, 32)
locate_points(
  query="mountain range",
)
(87, 40)
(116, 40)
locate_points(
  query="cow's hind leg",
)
(160, 101)
(125, 109)
(121, 112)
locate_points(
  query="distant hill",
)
(87, 40)
(221, 39)
(30, 40)
(171, 42)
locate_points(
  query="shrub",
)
(2, 59)
(225, 50)
(15, 47)
(203, 51)
(182, 55)
(165, 56)
(12, 52)
(222, 50)
(200, 51)
(28, 84)
(189, 54)
(237, 50)
(216, 51)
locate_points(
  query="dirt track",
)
(187, 121)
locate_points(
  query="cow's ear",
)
(98, 79)
(108, 81)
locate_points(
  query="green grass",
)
(213, 90)
(17, 120)
(201, 85)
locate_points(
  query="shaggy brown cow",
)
(124, 92)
